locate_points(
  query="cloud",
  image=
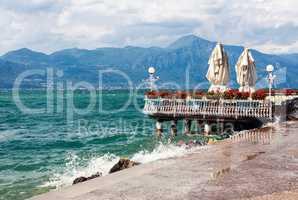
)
(50, 25)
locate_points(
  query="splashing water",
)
(103, 164)
(162, 152)
(73, 169)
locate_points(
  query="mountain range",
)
(188, 54)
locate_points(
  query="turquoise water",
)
(44, 151)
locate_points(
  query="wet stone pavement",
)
(258, 164)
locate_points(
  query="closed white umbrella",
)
(218, 73)
(246, 72)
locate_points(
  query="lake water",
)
(48, 149)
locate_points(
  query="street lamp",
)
(151, 70)
(152, 78)
(271, 77)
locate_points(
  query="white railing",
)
(207, 107)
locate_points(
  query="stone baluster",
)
(187, 126)
(174, 128)
(159, 128)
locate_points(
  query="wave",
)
(7, 135)
(103, 164)
(163, 152)
(74, 169)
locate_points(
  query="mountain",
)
(187, 54)
(9, 72)
(190, 40)
(25, 56)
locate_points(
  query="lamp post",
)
(152, 79)
(271, 77)
(151, 82)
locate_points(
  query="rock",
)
(123, 163)
(190, 144)
(83, 179)
(200, 143)
(95, 176)
(180, 143)
(79, 180)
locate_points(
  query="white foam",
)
(9, 134)
(105, 163)
(73, 169)
(162, 152)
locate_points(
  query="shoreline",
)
(253, 164)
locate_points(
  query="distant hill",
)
(189, 53)
(26, 56)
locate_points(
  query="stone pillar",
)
(187, 126)
(200, 128)
(207, 128)
(158, 128)
(174, 128)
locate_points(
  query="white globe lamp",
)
(151, 70)
(270, 68)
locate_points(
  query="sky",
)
(50, 25)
